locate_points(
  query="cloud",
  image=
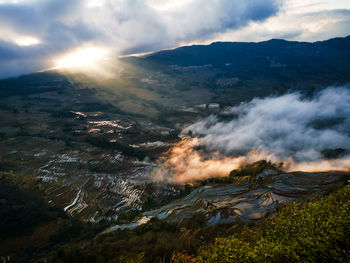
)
(308, 134)
(125, 26)
(306, 23)
(285, 126)
(132, 26)
(50, 23)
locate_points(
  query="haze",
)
(34, 35)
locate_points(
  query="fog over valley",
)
(146, 131)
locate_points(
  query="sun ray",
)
(89, 60)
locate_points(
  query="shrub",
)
(314, 231)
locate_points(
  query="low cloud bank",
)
(308, 134)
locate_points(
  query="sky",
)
(42, 34)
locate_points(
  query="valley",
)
(90, 147)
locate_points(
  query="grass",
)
(314, 231)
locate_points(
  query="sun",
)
(27, 41)
(93, 61)
(82, 59)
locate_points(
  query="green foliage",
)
(310, 231)
(255, 168)
(249, 170)
(315, 231)
(155, 241)
(138, 258)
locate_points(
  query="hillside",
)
(80, 156)
(236, 71)
(315, 231)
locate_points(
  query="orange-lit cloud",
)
(306, 134)
(183, 164)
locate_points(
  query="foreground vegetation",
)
(162, 89)
(314, 231)
(309, 231)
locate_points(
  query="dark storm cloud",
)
(200, 20)
(34, 17)
(124, 25)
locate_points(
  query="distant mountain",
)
(333, 52)
(237, 71)
(223, 72)
(77, 154)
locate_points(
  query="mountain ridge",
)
(175, 55)
(335, 39)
